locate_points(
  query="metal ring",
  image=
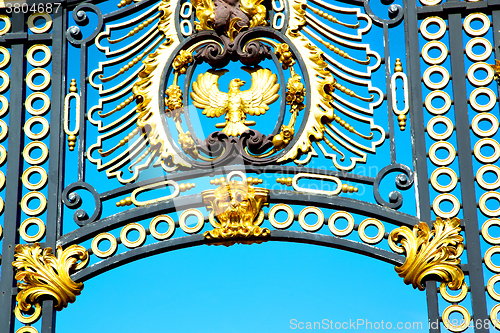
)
(434, 45)
(311, 210)
(442, 145)
(300, 175)
(482, 203)
(487, 142)
(183, 9)
(28, 320)
(371, 240)
(185, 214)
(6, 57)
(31, 52)
(186, 23)
(5, 105)
(444, 171)
(438, 94)
(280, 8)
(480, 177)
(430, 3)
(46, 26)
(485, 231)
(446, 318)
(487, 259)
(482, 107)
(33, 145)
(139, 241)
(2, 205)
(490, 286)
(4, 130)
(112, 247)
(30, 196)
(344, 232)
(159, 219)
(28, 172)
(40, 135)
(474, 68)
(473, 42)
(448, 197)
(436, 69)
(476, 32)
(3, 154)
(278, 208)
(453, 299)
(2, 180)
(484, 116)
(26, 329)
(41, 86)
(275, 21)
(5, 81)
(433, 19)
(24, 227)
(41, 111)
(5, 29)
(440, 136)
(494, 316)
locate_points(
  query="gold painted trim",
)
(490, 74)
(494, 316)
(434, 45)
(436, 85)
(440, 136)
(482, 203)
(29, 148)
(27, 329)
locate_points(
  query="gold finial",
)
(398, 67)
(72, 86)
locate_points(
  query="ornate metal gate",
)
(126, 98)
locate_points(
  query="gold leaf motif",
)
(430, 253)
(41, 273)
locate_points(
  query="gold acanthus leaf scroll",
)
(430, 253)
(42, 274)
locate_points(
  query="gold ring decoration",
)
(29, 148)
(476, 32)
(112, 246)
(233, 174)
(5, 105)
(38, 47)
(482, 107)
(494, 316)
(487, 142)
(278, 21)
(442, 145)
(279, 208)
(1, 232)
(490, 287)
(440, 136)
(311, 227)
(191, 212)
(316, 176)
(438, 94)
(446, 197)
(31, 75)
(434, 45)
(40, 135)
(3, 154)
(371, 240)
(460, 309)
(158, 219)
(30, 196)
(155, 186)
(4, 130)
(482, 203)
(488, 117)
(487, 259)
(433, 20)
(471, 74)
(186, 10)
(46, 27)
(27, 329)
(2, 180)
(430, 2)
(24, 227)
(5, 29)
(436, 85)
(6, 57)
(450, 298)
(480, 177)
(485, 231)
(2, 205)
(444, 171)
(27, 174)
(478, 57)
(29, 319)
(139, 241)
(5, 81)
(186, 28)
(41, 111)
(344, 232)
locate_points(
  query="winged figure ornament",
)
(236, 104)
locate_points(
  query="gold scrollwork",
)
(41, 273)
(430, 253)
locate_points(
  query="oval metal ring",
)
(444, 171)
(5, 105)
(29, 148)
(311, 227)
(5, 29)
(280, 8)
(460, 309)
(453, 299)
(139, 241)
(433, 20)
(485, 232)
(165, 183)
(471, 74)
(430, 3)
(35, 48)
(482, 203)
(487, 159)
(482, 107)
(6, 57)
(165, 235)
(199, 225)
(41, 111)
(278, 17)
(27, 174)
(440, 136)
(316, 176)
(478, 57)
(476, 32)
(31, 75)
(484, 116)
(480, 177)
(46, 27)
(438, 94)
(30, 196)
(436, 85)
(183, 25)
(442, 145)
(112, 246)
(189, 7)
(278, 208)
(5, 81)
(446, 197)
(490, 286)
(347, 230)
(24, 227)
(40, 135)
(375, 239)
(434, 45)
